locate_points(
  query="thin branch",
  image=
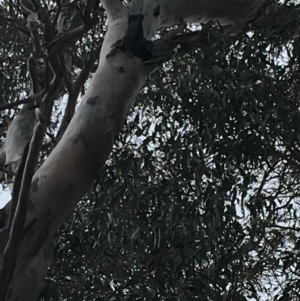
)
(23, 101)
(170, 46)
(265, 178)
(88, 9)
(35, 40)
(15, 238)
(49, 98)
(11, 8)
(79, 63)
(34, 78)
(57, 12)
(17, 24)
(49, 34)
(76, 90)
(7, 171)
(66, 77)
(17, 184)
(284, 227)
(72, 35)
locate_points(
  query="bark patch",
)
(92, 101)
(114, 51)
(121, 69)
(134, 41)
(156, 12)
(27, 229)
(46, 221)
(34, 185)
(29, 204)
(78, 138)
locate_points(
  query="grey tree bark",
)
(126, 59)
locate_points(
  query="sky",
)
(5, 196)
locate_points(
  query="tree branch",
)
(15, 24)
(71, 35)
(17, 184)
(113, 8)
(76, 90)
(169, 46)
(17, 228)
(173, 44)
(7, 171)
(79, 63)
(23, 101)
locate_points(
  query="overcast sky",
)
(4, 197)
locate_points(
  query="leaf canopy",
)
(199, 199)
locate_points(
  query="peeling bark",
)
(18, 135)
(64, 178)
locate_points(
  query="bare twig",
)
(49, 34)
(52, 90)
(79, 63)
(57, 12)
(66, 77)
(284, 227)
(76, 90)
(17, 184)
(15, 24)
(90, 64)
(72, 35)
(170, 45)
(11, 8)
(34, 78)
(23, 101)
(7, 171)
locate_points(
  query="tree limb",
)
(76, 90)
(15, 237)
(169, 46)
(79, 63)
(113, 8)
(71, 36)
(17, 227)
(15, 24)
(7, 171)
(23, 101)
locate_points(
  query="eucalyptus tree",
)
(49, 179)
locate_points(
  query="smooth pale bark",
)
(174, 12)
(67, 174)
(18, 134)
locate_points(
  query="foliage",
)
(200, 197)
